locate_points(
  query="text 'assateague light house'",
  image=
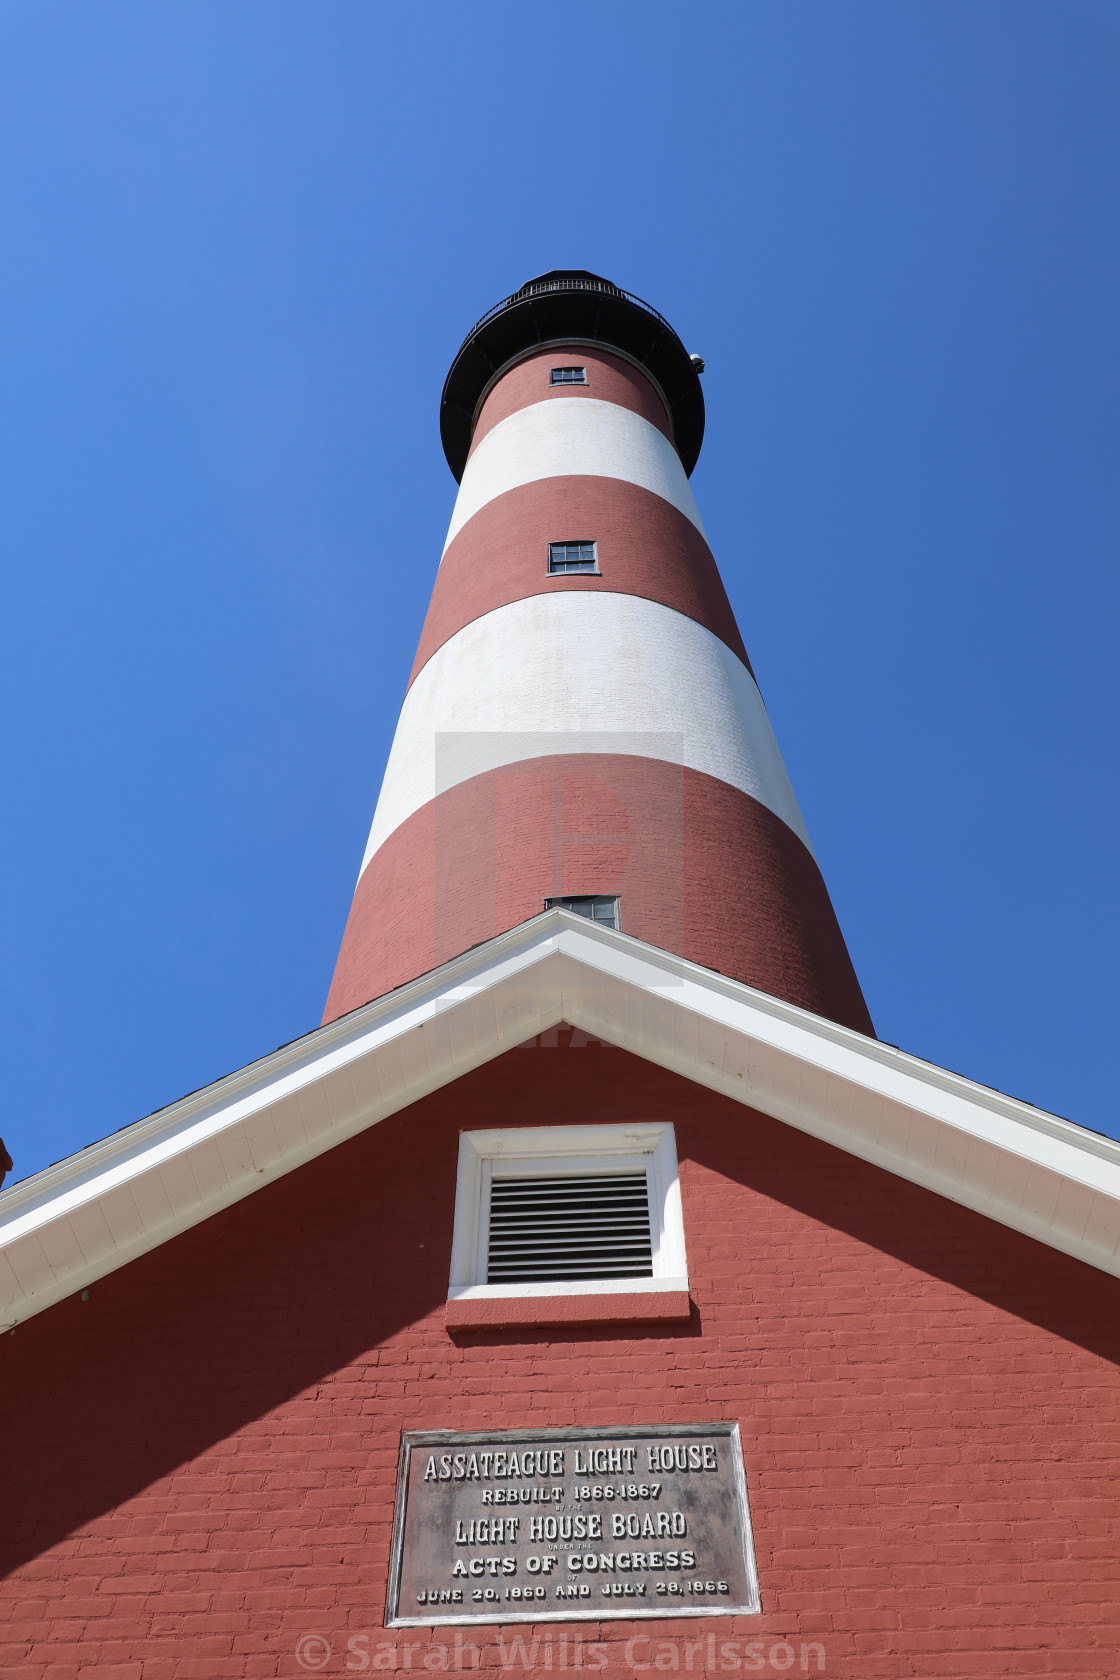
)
(582, 722)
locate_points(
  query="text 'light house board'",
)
(591, 1291)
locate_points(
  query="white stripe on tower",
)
(581, 673)
(574, 439)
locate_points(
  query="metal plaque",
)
(571, 1524)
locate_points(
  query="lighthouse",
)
(582, 726)
(591, 1293)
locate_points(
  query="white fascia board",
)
(894, 1073)
(86, 1216)
(174, 1169)
(306, 1060)
(919, 1121)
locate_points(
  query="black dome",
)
(564, 305)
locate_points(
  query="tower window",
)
(567, 376)
(572, 557)
(597, 907)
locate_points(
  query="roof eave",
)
(110, 1203)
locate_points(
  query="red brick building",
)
(624, 1175)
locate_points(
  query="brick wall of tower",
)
(199, 1462)
(614, 379)
(640, 660)
(484, 856)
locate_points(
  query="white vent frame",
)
(533, 1151)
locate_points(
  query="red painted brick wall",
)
(646, 547)
(609, 379)
(199, 1463)
(699, 867)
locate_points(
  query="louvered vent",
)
(584, 1226)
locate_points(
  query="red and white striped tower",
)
(588, 733)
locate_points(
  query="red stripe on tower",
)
(582, 720)
(644, 545)
(607, 379)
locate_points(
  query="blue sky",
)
(240, 245)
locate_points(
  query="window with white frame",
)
(568, 1210)
(563, 557)
(567, 376)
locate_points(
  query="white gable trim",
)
(81, 1219)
